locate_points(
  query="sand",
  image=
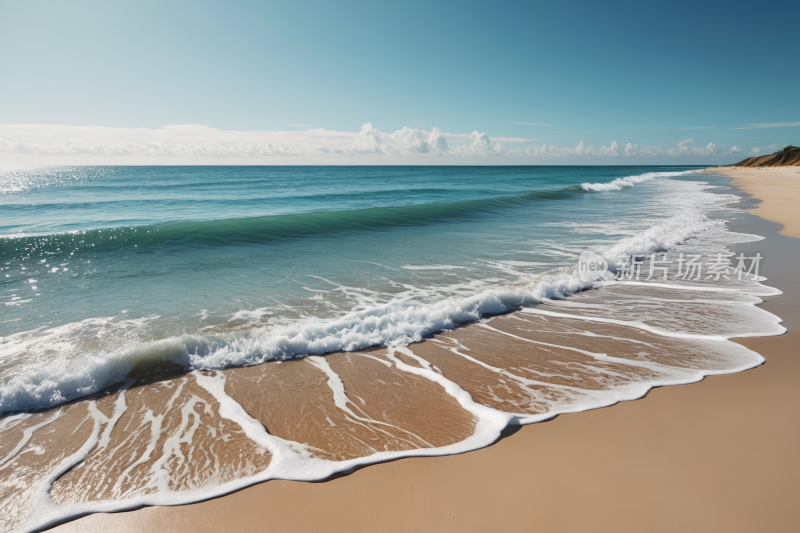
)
(778, 188)
(718, 455)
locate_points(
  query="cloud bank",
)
(196, 144)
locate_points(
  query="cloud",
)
(468, 136)
(195, 141)
(481, 145)
(736, 150)
(765, 150)
(197, 144)
(402, 142)
(531, 124)
(769, 125)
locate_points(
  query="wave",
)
(275, 228)
(394, 324)
(288, 227)
(629, 181)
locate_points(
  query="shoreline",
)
(770, 185)
(641, 458)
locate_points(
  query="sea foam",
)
(629, 181)
(397, 323)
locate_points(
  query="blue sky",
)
(542, 74)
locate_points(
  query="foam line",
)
(172, 446)
(44, 504)
(341, 401)
(232, 410)
(532, 394)
(489, 419)
(119, 408)
(26, 436)
(639, 325)
(768, 291)
(519, 379)
(656, 367)
(155, 432)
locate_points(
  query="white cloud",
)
(468, 136)
(481, 145)
(403, 142)
(736, 150)
(195, 144)
(769, 125)
(765, 150)
(611, 151)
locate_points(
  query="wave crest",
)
(629, 181)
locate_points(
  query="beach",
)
(776, 187)
(715, 455)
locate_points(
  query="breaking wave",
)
(629, 181)
(396, 323)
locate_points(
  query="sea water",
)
(113, 276)
(99, 261)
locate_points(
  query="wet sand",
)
(719, 455)
(778, 188)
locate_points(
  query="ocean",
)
(170, 334)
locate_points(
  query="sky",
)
(323, 82)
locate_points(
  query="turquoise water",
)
(104, 267)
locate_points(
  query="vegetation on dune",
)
(789, 156)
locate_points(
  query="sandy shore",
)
(720, 455)
(778, 188)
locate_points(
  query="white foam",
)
(663, 236)
(287, 462)
(341, 401)
(629, 181)
(26, 436)
(396, 323)
(290, 460)
(769, 328)
(431, 267)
